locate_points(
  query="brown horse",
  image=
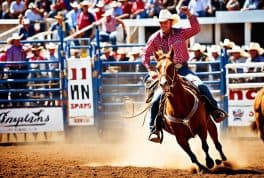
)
(184, 113)
(258, 124)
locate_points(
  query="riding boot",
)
(211, 105)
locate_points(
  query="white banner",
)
(22, 120)
(240, 107)
(80, 92)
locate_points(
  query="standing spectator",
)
(72, 15)
(251, 5)
(85, 19)
(61, 25)
(26, 30)
(200, 56)
(109, 28)
(16, 52)
(54, 74)
(17, 8)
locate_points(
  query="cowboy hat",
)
(59, 15)
(227, 43)
(15, 36)
(197, 47)
(74, 4)
(214, 49)
(85, 3)
(237, 49)
(165, 15)
(51, 46)
(36, 48)
(255, 46)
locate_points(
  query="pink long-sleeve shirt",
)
(176, 40)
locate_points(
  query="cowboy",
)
(168, 38)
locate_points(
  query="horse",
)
(258, 124)
(184, 113)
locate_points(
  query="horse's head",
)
(166, 69)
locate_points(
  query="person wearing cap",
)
(61, 25)
(168, 38)
(26, 30)
(109, 28)
(72, 15)
(200, 56)
(85, 19)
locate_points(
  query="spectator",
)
(214, 52)
(200, 56)
(251, 5)
(199, 7)
(138, 10)
(117, 10)
(109, 28)
(44, 6)
(85, 19)
(17, 8)
(61, 25)
(5, 13)
(107, 55)
(26, 30)
(72, 15)
(126, 6)
(122, 56)
(54, 74)
(170, 5)
(237, 55)
(16, 52)
(56, 7)
(99, 10)
(135, 55)
(255, 55)
(233, 5)
(3, 86)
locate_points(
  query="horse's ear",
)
(171, 54)
(157, 55)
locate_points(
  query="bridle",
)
(164, 77)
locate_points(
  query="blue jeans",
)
(108, 37)
(188, 74)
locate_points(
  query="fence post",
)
(223, 62)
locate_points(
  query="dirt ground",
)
(132, 157)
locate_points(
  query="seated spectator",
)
(233, 5)
(26, 30)
(99, 10)
(226, 45)
(199, 7)
(255, 52)
(200, 56)
(36, 18)
(126, 6)
(117, 10)
(72, 15)
(135, 55)
(237, 55)
(17, 8)
(107, 54)
(109, 28)
(5, 13)
(3, 86)
(43, 6)
(251, 5)
(56, 7)
(170, 5)
(138, 10)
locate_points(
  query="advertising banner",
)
(22, 120)
(80, 92)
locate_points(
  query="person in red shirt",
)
(85, 19)
(174, 38)
(99, 10)
(126, 8)
(138, 10)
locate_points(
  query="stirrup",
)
(219, 115)
(155, 137)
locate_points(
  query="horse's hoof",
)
(209, 163)
(218, 161)
(203, 170)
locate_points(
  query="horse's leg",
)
(183, 142)
(214, 135)
(209, 161)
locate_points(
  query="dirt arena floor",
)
(134, 156)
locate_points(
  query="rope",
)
(138, 114)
